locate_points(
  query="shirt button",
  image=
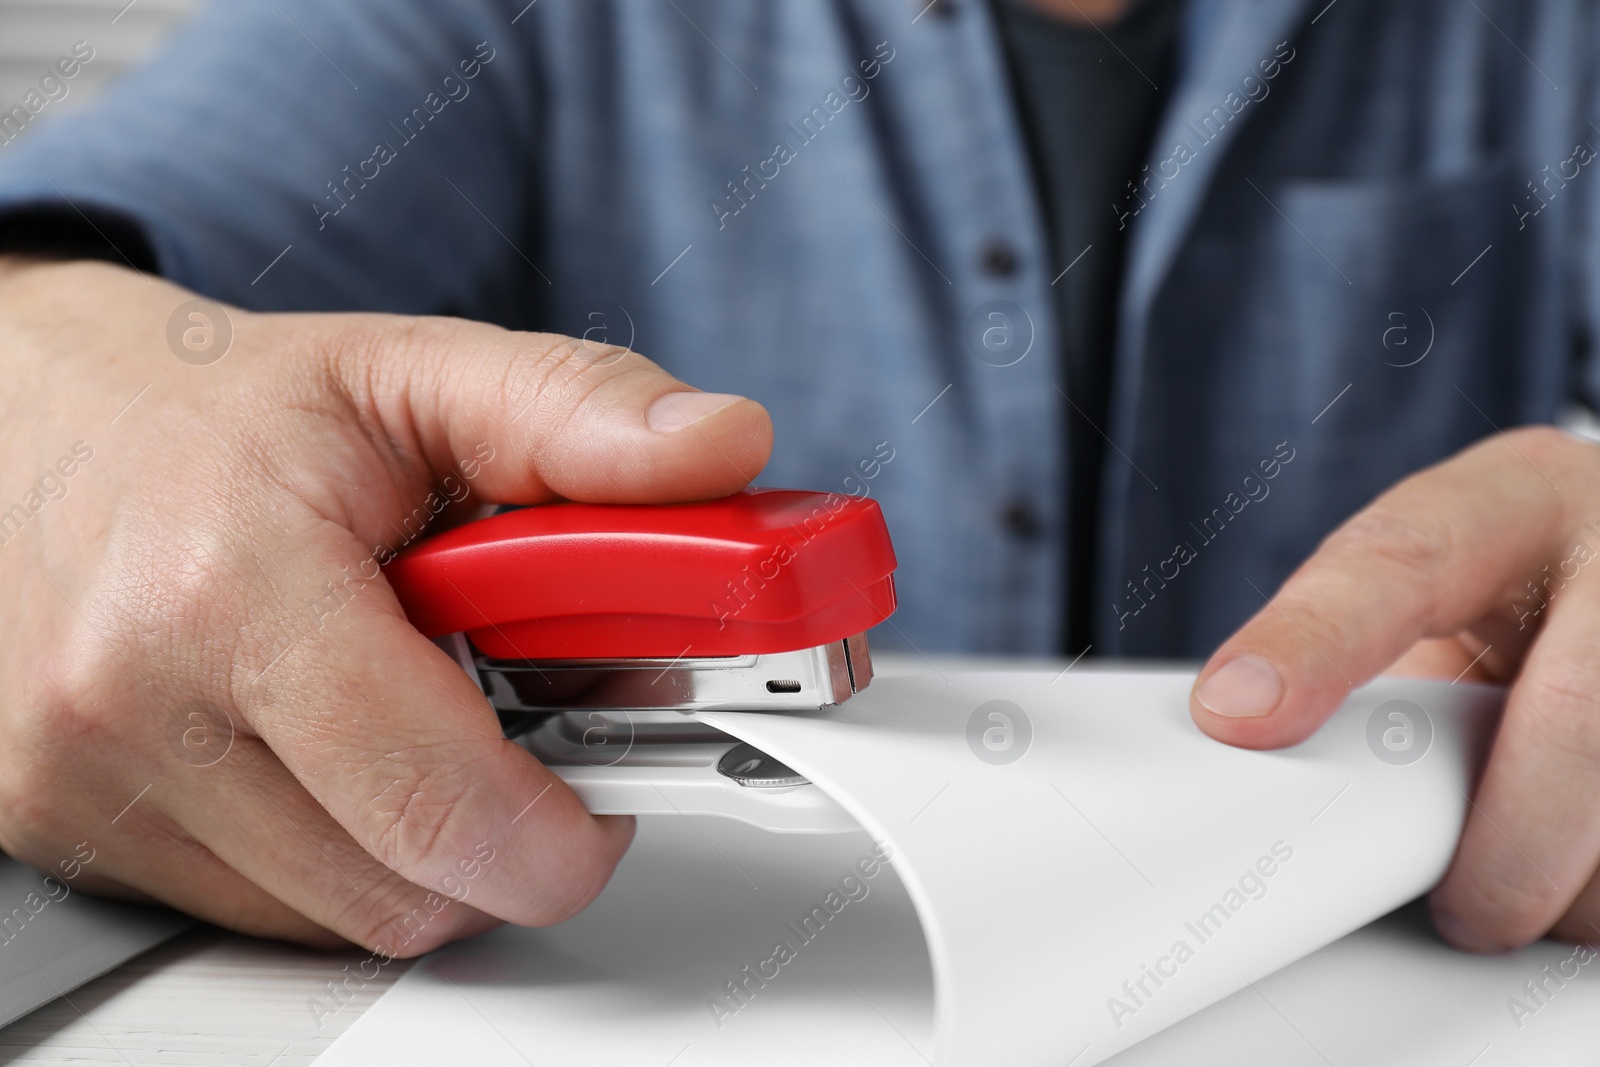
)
(999, 258)
(1021, 520)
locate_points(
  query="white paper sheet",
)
(621, 985)
(1049, 888)
(1393, 995)
(1126, 870)
(631, 980)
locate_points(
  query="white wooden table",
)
(205, 998)
(210, 998)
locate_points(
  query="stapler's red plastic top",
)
(766, 570)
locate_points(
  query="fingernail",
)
(1460, 934)
(1247, 688)
(671, 412)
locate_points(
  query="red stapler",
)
(595, 630)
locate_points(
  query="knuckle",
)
(363, 358)
(571, 374)
(419, 806)
(575, 355)
(1507, 899)
(1559, 704)
(359, 339)
(399, 919)
(1415, 545)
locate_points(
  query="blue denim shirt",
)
(1365, 238)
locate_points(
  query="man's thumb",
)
(561, 416)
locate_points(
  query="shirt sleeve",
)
(307, 155)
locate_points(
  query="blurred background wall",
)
(35, 33)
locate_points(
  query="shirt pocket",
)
(1417, 318)
(1416, 293)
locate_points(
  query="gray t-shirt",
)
(1089, 98)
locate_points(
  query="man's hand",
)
(205, 685)
(1486, 562)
